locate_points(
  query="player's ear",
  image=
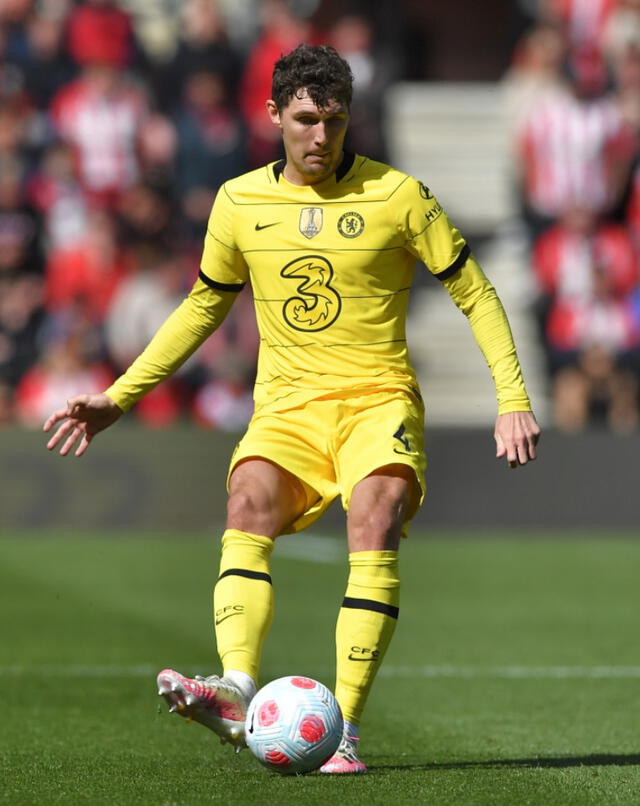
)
(274, 114)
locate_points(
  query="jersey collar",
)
(347, 161)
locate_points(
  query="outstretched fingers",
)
(77, 432)
(55, 417)
(61, 433)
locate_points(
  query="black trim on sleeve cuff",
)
(220, 286)
(457, 264)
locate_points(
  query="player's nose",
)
(320, 134)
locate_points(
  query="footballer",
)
(329, 242)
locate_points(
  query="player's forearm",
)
(177, 339)
(477, 299)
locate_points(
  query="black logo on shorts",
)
(424, 191)
(226, 612)
(400, 435)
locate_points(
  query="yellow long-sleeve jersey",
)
(331, 266)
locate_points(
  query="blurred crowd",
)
(573, 95)
(119, 120)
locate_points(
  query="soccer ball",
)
(294, 725)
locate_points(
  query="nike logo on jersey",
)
(264, 226)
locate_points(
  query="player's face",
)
(312, 138)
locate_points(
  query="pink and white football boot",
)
(345, 760)
(215, 702)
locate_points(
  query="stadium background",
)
(119, 120)
(513, 674)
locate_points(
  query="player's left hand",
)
(516, 434)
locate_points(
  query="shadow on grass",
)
(593, 760)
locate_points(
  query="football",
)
(294, 725)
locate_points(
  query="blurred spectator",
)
(212, 142)
(100, 114)
(87, 275)
(67, 367)
(157, 144)
(56, 193)
(535, 72)
(12, 133)
(226, 364)
(574, 147)
(21, 248)
(23, 128)
(622, 30)
(599, 342)
(140, 305)
(45, 64)
(583, 21)
(203, 46)
(157, 26)
(353, 37)
(587, 273)
(142, 302)
(145, 215)
(224, 405)
(13, 17)
(282, 31)
(21, 315)
(564, 256)
(633, 208)
(626, 68)
(100, 32)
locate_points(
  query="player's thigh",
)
(263, 497)
(382, 431)
(293, 442)
(379, 508)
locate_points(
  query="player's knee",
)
(252, 510)
(377, 525)
(380, 505)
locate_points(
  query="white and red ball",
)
(294, 725)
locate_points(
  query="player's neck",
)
(297, 177)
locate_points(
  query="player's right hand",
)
(81, 419)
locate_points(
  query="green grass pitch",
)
(513, 678)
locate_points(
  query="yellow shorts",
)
(333, 442)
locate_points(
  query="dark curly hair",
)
(319, 69)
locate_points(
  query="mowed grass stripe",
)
(393, 672)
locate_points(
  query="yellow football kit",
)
(331, 266)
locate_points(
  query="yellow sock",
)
(365, 625)
(243, 600)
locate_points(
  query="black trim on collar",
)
(345, 166)
(278, 167)
(342, 170)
